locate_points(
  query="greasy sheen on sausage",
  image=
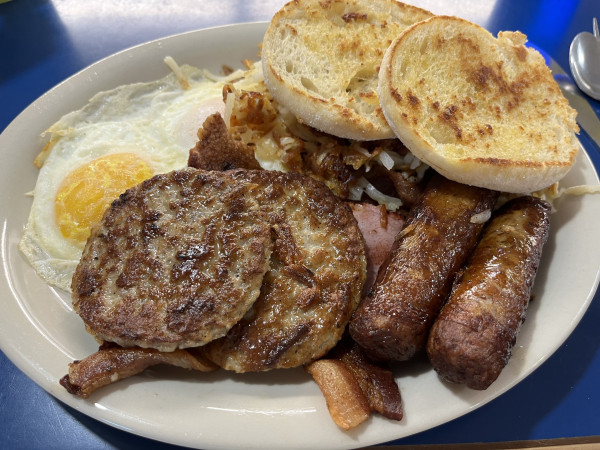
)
(472, 338)
(393, 321)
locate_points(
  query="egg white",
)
(157, 121)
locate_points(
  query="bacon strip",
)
(347, 405)
(354, 386)
(109, 365)
(376, 381)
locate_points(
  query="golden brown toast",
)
(480, 110)
(321, 58)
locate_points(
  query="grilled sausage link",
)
(393, 321)
(472, 339)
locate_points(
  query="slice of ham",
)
(379, 228)
(109, 365)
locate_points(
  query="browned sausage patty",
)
(472, 339)
(317, 272)
(175, 262)
(393, 321)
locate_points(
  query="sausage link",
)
(472, 339)
(393, 321)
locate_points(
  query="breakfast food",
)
(376, 380)
(479, 110)
(321, 60)
(112, 363)
(347, 405)
(354, 386)
(216, 150)
(175, 262)
(120, 138)
(381, 170)
(379, 228)
(252, 259)
(393, 321)
(472, 339)
(180, 260)
(314, 283)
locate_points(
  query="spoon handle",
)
(595, 26)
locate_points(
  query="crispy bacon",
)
(354, 386)
(347, 405)
(376, 380)
(109, 365)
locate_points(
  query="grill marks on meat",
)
(176, 261)
(275, 260)
(393, 321)
(472, 339)
(317, 272)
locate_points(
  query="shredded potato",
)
(283, 143)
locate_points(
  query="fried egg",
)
(120, 138)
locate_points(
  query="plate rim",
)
(40, 376)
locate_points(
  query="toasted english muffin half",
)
(480, 110)
(321, 60)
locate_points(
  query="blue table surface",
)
(43, 42)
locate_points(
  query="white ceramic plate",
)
(41, 334)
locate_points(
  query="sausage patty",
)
(472, 339)
(175, 262)
(317, 273)
(393, 321)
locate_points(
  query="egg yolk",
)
(86, 192)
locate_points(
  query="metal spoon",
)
(584, 59)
